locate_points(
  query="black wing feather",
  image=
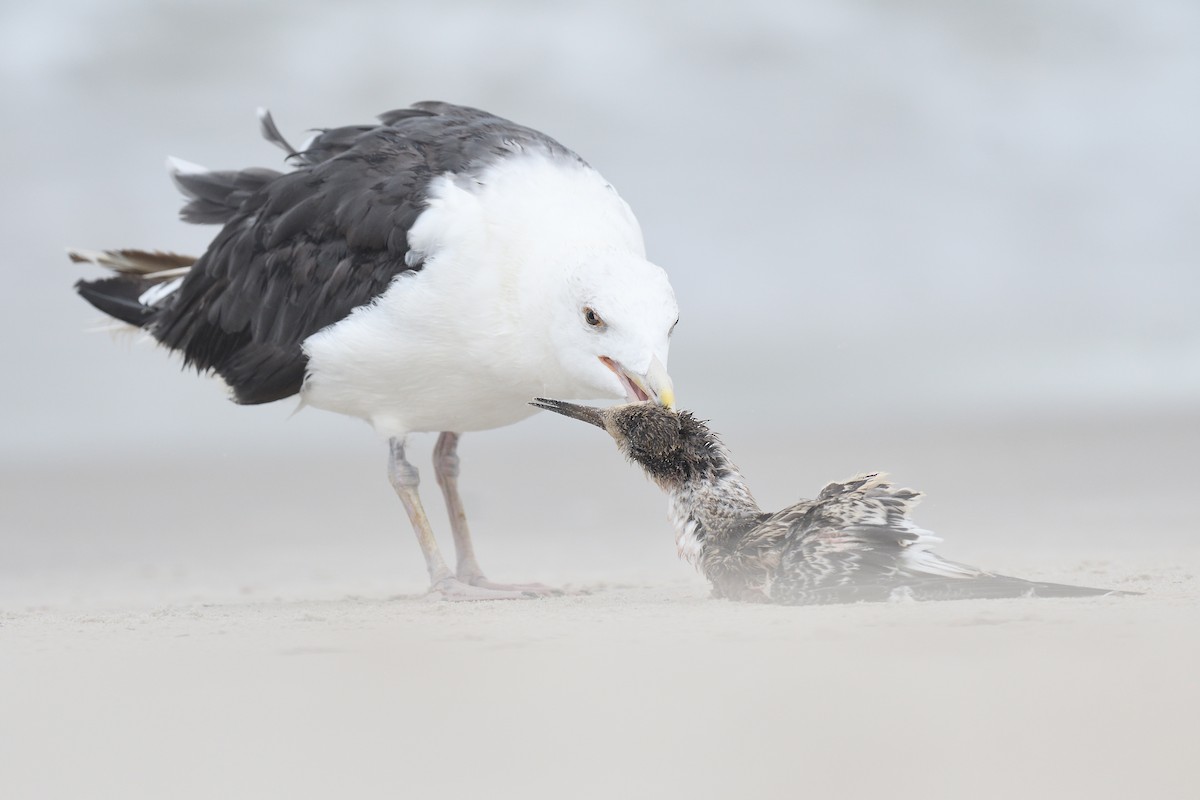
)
(118, 297)
(299, 251)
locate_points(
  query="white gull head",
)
(533, 281)
(610, 326)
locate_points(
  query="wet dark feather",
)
(854, 542)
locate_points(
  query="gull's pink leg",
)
(445, 466)
(405, 479)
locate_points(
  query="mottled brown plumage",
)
(854, 542)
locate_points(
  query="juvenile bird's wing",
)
(856, 542)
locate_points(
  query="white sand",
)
(255, 646)
(947, 208)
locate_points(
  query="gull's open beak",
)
(655, 384)
(585, 413)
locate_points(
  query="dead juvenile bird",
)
(854, 542)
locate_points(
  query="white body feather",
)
(464, 343)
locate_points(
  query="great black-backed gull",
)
(855, 542)
(428, 273)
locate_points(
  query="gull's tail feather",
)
(145, 279)
(146, 263)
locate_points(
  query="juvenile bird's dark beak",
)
(585, 413)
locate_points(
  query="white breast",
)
(680, 508)
(459, 344)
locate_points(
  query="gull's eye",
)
(592, 318)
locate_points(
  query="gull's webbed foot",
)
(529, 589)
(457, 590)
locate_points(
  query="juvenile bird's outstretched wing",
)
(856, 542)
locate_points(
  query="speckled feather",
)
(854, 542)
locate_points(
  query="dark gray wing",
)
(856, 543)
(299, 251)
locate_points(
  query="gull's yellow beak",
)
(659, 385)
(654, 384)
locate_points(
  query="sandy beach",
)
(273, 640)
(955, 242)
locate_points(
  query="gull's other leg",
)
(445, 466)
(405, 480)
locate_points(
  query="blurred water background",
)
(895, 208)
(892, 227)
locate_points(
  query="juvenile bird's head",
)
(673, 447)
